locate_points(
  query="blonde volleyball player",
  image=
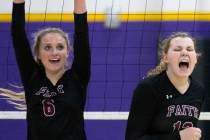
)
(55, 93)
(166, 104)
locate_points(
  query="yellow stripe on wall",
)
(187, 16)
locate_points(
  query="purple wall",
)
(120, 58)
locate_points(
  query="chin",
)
(54, 70)
(184, 74)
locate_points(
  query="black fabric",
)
(158, 109)
(54, 112)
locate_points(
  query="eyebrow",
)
(61, 44)
(46, 43)
(186, 47)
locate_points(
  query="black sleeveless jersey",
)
(159, 111)
(54, 112)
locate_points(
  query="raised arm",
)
(21, 45)
(81, 64)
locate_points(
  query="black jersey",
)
(159, 111)
(54, 112)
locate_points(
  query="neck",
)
(180, 83)
(54, 76)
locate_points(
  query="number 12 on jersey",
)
(180, 125)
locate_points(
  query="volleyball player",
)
(166, 104)
(55, 93)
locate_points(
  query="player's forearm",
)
(18, 1)
(79, 6)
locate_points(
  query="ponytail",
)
(158, 69)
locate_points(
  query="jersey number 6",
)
(48, 107)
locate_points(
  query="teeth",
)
(54, 59)
(184, 60)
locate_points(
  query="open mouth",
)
(184, 65)
(54, 61)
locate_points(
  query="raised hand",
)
(18, 1)
(79, 6)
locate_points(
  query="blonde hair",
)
(163, 49)
(41, 33)
(15, 98)
(18, 98)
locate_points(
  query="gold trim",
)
(53, 17)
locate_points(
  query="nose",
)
(184, 52)
(54, 51)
